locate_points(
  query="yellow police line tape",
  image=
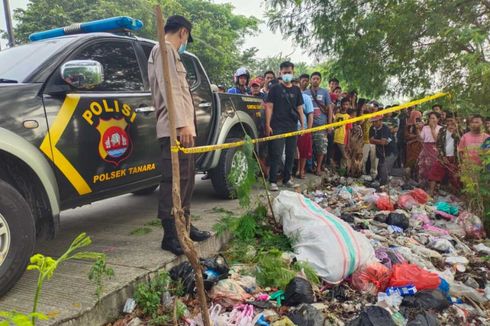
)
(209, 148)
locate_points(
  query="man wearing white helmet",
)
(241, 79)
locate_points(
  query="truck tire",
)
(219, 175)
(17, 236)
(145, 191)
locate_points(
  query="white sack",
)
(329, 244)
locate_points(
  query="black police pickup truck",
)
(77, 125)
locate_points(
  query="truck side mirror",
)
(82, 74)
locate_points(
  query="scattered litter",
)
(398, 219)
(385, 255)
(447, 208)
(373, 316)
(472, 225)
(228, 293)
(407, 202)
(482, 248)
(373, 278)
(384, 203)
(410, 274)
(419, 195)
(129, 306)
(442, 245)
(307, 315)
(298, 291)
(426, 300)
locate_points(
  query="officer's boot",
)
(198, 235)
(170, 240)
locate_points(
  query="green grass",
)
(141, 231)
(154, 223)
(221, 210)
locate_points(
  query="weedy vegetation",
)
(46, 267)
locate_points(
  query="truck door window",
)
(121, 69)
(191, 71)
(186, 60)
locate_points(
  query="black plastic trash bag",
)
(214, 270)
(424, 319)
(380, 218)
(399, 220)
(425, 300)
(347, 218)
(298, 291)
(373, 316)
(306, 315)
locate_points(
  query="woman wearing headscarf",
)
(428, 137)
(413, 144)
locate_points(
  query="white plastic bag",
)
(329, 244)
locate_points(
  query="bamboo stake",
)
(178, 213)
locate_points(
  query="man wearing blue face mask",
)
(177, 34)
(284, 108)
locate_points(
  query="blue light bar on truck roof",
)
(121, 23)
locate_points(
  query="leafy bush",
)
(274, 271)
(148, 295)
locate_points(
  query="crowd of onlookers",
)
(428, 147)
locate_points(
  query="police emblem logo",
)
(115, 145)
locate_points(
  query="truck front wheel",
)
(232, 158)
(17, 236)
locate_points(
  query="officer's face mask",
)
(183, 45)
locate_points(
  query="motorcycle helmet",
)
(241, 72)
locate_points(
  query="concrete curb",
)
(110, 306)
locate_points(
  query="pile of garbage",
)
(381, 256)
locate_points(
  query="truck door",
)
(202, 97)
(103, 139)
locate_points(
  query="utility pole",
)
(8, 20)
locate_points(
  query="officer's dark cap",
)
(180, 21)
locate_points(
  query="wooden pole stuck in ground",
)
(178, 212)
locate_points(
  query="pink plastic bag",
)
(384, 204)
(372, 278)
(435, 229)
(419, 195)
(228, 293)
(406, 202)
(472, 225)
(411, 274)
(422, 217)
(445, 215)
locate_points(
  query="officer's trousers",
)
(187, 179)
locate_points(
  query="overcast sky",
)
(267, 42)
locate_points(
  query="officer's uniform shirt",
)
(184, 108)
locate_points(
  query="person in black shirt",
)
(284, 108)
(381, 136)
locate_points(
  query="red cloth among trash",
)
(410, 274)
(373, 278)
(384, 204)
(419, 195)
(406, 202)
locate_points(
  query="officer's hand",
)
(268, 131)
(186, 136)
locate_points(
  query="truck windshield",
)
(17, 63)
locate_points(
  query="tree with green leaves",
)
(218, 32)
(387, 47)
(259, 66)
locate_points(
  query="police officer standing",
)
(177, 35)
